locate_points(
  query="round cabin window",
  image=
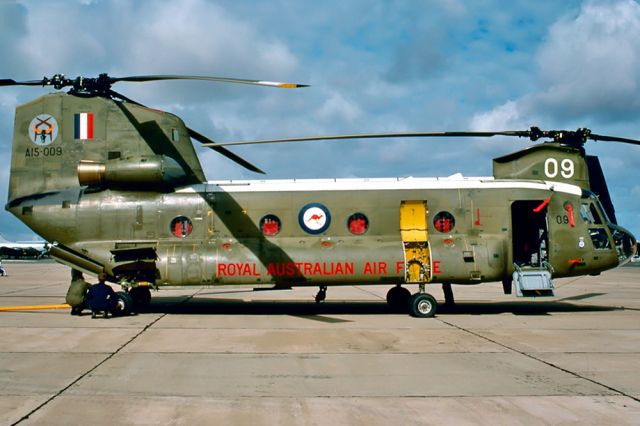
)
(358, 223)
(270, 225)
(181, 226)
(444, 222)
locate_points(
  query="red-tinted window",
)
(181, 226)
(358, 223)
(444, 222)
(270, 225)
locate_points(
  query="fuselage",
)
(330, 231)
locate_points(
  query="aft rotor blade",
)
(143, 78)
(205, 141)
(525, 134)
(10, 82)
(202, 139)
(613, 139)
(115, 94)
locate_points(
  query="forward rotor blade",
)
(613, 139)
(205, 141)
(524, 134)
(143, 78)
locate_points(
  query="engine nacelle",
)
(149, 171)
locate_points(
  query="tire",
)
(124, 305)
(398, 297)
(422, 305)
(141, 297)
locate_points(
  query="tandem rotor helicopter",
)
(117, 188)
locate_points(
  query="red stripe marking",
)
(90, 125)
(542, 205)
(570, 211)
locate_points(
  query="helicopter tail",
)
(64, 141)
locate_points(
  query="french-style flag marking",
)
(83, 125)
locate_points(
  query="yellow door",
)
(415, 238)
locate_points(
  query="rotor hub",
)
(90, 86)
(576, 138)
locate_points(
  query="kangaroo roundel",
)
(314, 218)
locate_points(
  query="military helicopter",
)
(117, 188)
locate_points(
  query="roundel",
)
(43, 129)
(314, 218)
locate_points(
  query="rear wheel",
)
(124, 304)
(398, 297)
(422, 305)
(141, 297)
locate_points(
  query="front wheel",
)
(422, 305)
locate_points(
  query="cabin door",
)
(530, 232)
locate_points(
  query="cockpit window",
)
(595, 214)
(596, 206)
(585, 213)
(599, 238)
(589, 214)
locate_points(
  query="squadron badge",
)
(43, 129)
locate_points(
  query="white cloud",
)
(202, 36)
(336, 107)
(591, 64)
(452, 60)
(588, 67)
(588, 72)
(504, 117)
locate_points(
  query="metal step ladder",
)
(533, 281)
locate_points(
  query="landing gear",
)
(422, 305)
(448, 294)
(398, 297)
(141, 296)
(507, 284)
(124, 304)
(322, 294)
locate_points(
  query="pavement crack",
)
(98, 365)
(376, 295)
(530, 356)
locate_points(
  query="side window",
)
(444, 222)
(270, 225)
(181, 226)
(358, 223)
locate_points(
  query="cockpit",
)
(603, 233)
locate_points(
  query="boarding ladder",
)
(415, 239)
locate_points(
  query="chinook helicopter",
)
(117, 189)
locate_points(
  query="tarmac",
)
(239, 357)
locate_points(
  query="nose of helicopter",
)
(625, 243)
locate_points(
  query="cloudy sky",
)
(385, 66)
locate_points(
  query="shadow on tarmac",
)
(204, 306)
